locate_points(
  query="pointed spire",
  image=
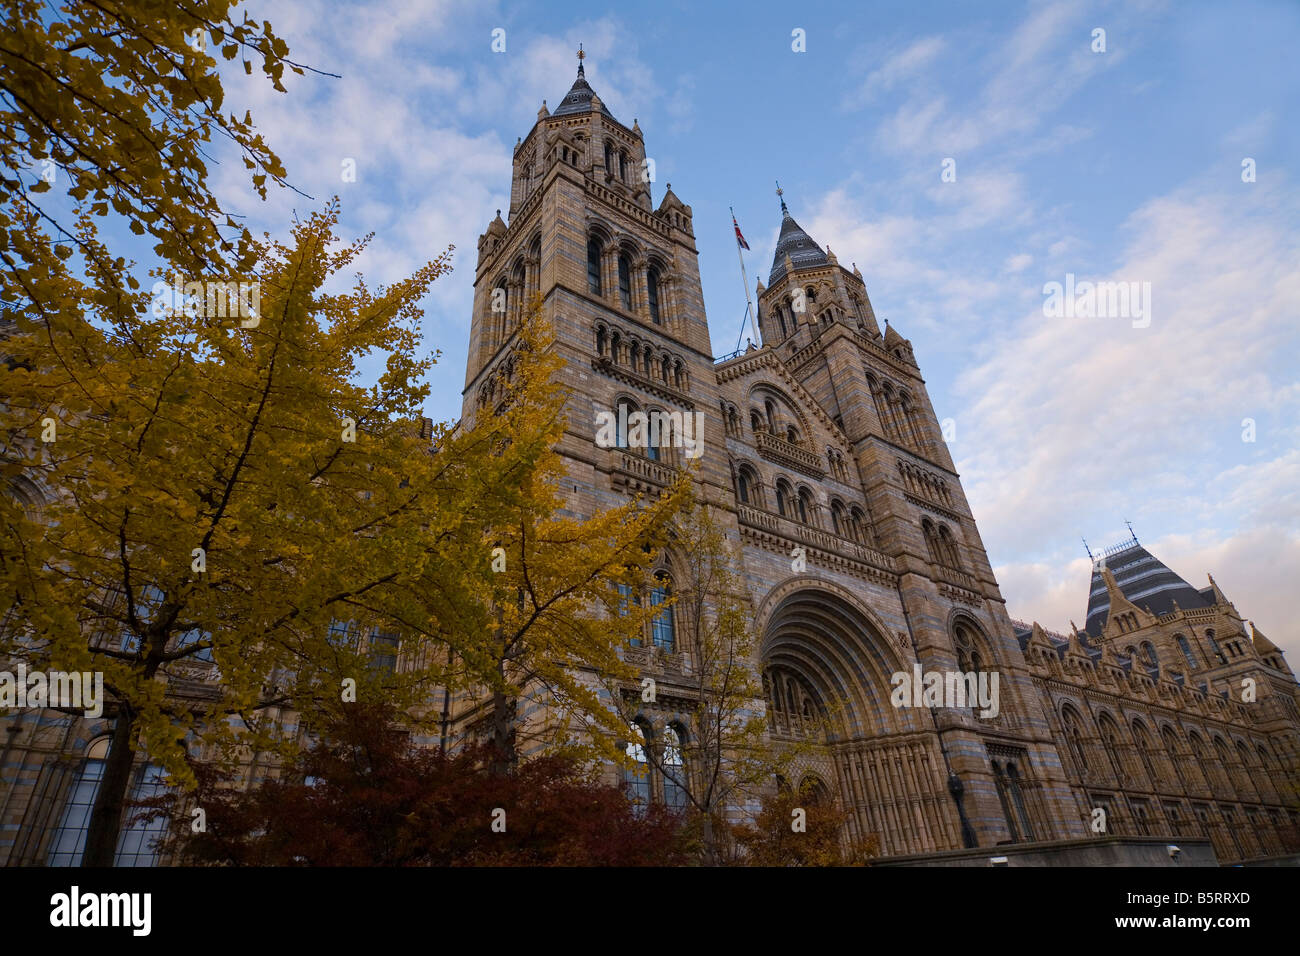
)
(543, 112)
(1262, 644)
(1120, 604)
(1219, 597)
(581, 98)
(781, 195)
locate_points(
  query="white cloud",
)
(897, 67)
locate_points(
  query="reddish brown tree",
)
(799, 828)
(367, 795)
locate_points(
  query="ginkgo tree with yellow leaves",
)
(236, 494)
(558, 616)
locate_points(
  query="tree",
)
(728, 760)
(366, 795)
(114, 104)
(799, 828)
(228, 505)
(555, 587)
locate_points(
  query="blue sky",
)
(1116, 165)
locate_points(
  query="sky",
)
(963, 156)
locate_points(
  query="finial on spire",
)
(1130, 531)
(581, 56)
(781, 193)
(1088, 549)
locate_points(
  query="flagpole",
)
(744, 278)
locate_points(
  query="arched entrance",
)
(826, 668)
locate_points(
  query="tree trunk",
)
(106, 817)
(503, 733)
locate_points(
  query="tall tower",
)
(837, 449)
(619, 281)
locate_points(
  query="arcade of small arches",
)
(513, 287)
(797, 502)
(496, 383)
(1102, 753)
(787, 312)
(941, 545)
(637, 355)
(897, 412)
(663, 440)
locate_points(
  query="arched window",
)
(780, 318)
(859, 527)
(600, 341)
(837, 518)
(742, 486)
(948, 547)
(674, 768)
(1149, 649)
(609, 159)
(652, 293)
(135, 840)
(615, 347)
(783, 502)
(1187, 651)
(755, 421)
(1143, 741)
(625, 282)
(791, 435)
(637, 774)
(931, 540)
(663, 628)
(1172, 752)
(1074, 737)
(805, 505)
(1218, 651)
(1110, 742)
(770, 407)
(621, 420)
(594, 252)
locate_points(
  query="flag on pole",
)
(740, 239)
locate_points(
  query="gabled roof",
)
(1144, 580)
